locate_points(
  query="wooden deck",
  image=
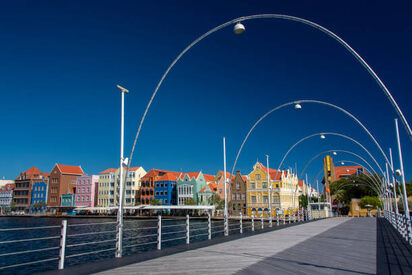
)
(330, 246)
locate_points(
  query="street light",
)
(239, 28)
(322, 136)
(121, 181)
(298, 106)
(334, 153)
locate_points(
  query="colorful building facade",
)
(24, 186)
(147, 190)
(189, 185)
(282, 188)
(238, 191)
(39, 196)
(109, 187)
(86, 190)
(6, 196)
(165, 189)
(68, 200)
(62, 181)
(205, 195)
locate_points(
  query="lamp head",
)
(398, 172)
(298, 106)
(322, 136)
(342, 163)
(334, 153)
(239, 28)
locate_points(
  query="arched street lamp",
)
(298, 106)
(240, 29)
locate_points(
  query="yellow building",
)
(108, 193)
(284, 190)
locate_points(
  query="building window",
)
(253, 199)
(258, 176)
(243, 196)
(252, 185)
(237, 185)
(265, 199)
(233, 197)
(264, 185)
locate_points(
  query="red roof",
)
(69, 169)
(190, 175)
(343, 170)
(134, 168)
(272, 172)
(212, 187)
(167, 177)
(32, 173)
(209, 178)
(157, 173)
(109, 170)
(300, 183)
(5, 187)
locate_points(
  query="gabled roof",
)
(69, 169)
(134, 168)
(212, 186)
(191, 175)
(32, 173)
(109, 170)
(209, 178)
(167, 177)
(272, 172)
(300, 183)
(157, 173)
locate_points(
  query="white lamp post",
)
(119, 238)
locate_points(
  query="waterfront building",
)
(68, 200)
(333, 173)
(189, 185)
(283, 192)
(24, 185)
(109, 187)
(206, 193)
(86, 190)
(4, 182)
(6, 196)
(165, 189)
(39, 196)
(238, 190)
(62, 181)
(147, 190)
(106, 188)
(219, 179)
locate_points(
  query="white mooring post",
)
(187, 230)
(62, 244)
(209, 226)
(253, 222)
(241, 223)
(159, 232)
(270, 218)
(261, 221)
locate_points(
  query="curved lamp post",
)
(322, 136)
(239, 29)
(298, 106)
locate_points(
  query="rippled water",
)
(139, 235)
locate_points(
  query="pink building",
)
(86, 191)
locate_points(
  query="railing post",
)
(159, 232)
(253, 222)
(187, 230)
(270, 218)
(209, 226)
(241, 223)
(277, 218)
(288, 218)
(261, 221)
(62, 251)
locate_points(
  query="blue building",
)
(39, 197)
(165, 189)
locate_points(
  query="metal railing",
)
(79, 240)
(400, 223)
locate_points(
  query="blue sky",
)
(60, 63)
